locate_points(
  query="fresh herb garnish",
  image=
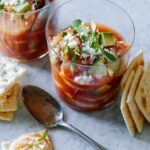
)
(43, 136)
(77, 23)
(96, 60)
(94, 45)
(74, 59)
(83, 38)
(66, 45)
(70, 52)
(79, 27)
(77, 51)
(100, 39)
(109, 55)
(64, 34)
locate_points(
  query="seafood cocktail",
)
(88, 57)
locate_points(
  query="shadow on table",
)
(113, 114)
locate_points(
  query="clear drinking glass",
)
(22, 36)
(99, 93)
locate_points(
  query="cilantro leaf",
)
(77, 51)
(74, 59)
(109, 55)
(94, 45)
(77, 23)
(96, 60)
(43, 136)
(83, 38)
(79, 27)
(70, 52)
(64, 34)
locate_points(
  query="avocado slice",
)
(22, 7)
(108, 39)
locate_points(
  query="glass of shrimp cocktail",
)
(89, 43)
(22, 28)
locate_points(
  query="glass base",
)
(113, 99)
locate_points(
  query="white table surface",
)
(106, 127)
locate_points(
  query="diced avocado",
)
(22, 8)
(108, 39)
(103, 89)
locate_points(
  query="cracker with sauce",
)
(135, 112)
(124, 107)
(8, 102)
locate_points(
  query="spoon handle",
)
(88, 139)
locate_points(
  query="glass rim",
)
(30, 12)
(63, 59)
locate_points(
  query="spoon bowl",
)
(42, 106)
(46, 110)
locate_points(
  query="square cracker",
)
(138, 60)
(6, 116)
(135, 112)
(142, 96)
(124, 107)
(8, 102)
(10, 73)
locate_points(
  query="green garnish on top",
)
(64, 34)
(77, 23)
(97, 40)
(87, 44)
(109, 55)
(22, 7)
(70, 52)
(79, 27)
(43, 136)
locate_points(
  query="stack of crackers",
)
(10, 73)
(135, 102)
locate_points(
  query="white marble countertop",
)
(106, 127)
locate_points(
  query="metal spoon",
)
(46, 110)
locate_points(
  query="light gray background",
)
(106, 127)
